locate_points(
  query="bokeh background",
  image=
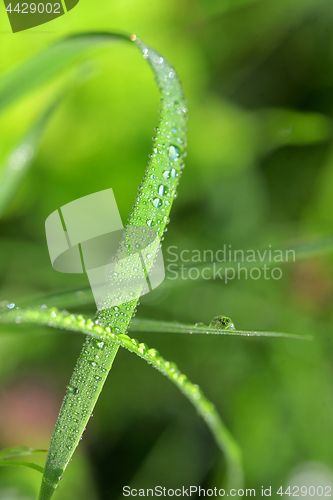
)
(258, 76)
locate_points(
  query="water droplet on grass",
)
(173, 153)
(162, 190)
(222, 323)
(73, 390)
(157, 202)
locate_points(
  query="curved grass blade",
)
(151, 209)
(100, 336)
(30, 465)
(19, 451)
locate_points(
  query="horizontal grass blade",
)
(51, 317)
(147, 325)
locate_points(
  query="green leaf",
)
(78, 323)
(148, 325)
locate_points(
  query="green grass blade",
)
(98, 344)
(151, 209)
(148, 325)
(19, 451)
(52, 316)
(6, 463)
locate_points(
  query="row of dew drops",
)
(166, 163)
(158, 189)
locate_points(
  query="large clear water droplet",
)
(162, 190)
(173, 153)
(157, 202)
(222, 323)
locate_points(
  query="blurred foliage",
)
(258, 75)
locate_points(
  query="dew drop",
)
(11, 306)
(162, 190)
(157, 202)
(173, 153)
(166, 175)
(143, 348)
(173, 173)
(158, 59)
(153, 353)
(145, 53)
(182, 379)
(222, 323)
(149, 223)
(73, 390)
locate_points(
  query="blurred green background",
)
(258, 76)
